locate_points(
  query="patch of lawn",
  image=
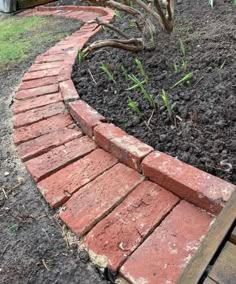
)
(20, 36)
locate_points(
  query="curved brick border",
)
(143, 229)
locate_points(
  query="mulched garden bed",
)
(202, 128)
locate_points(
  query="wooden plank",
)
(23, 4)
(232, 237)
(218, 231)
(209, 281)
(224, 269)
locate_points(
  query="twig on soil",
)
(4, 193)
(45, 265)
(111, 27)
(148, 127)
(198, 81)
(91, 75)
(46, 234)
(150, 118)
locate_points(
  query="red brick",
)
(52, 161)
(95, 200)
(164, 255)
(65, 73)
(38, 83)
(57, 188)
(192, 184)
(41, 74)
(34, 115)
(68, 91)
(121, 232)
(126, 148)
(49, 58)
(44, 66)
(86, 116)
(21, 106)
(36, 92)
(42, 127)
(44, 143)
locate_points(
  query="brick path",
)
(138, 212)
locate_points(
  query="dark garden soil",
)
(202, 128)
(34, 247)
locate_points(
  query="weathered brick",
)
(126, 148)
(41, 74)
(21, 106)
(44, 66)
(68, 91)
(50, 58)
(44, 143)
(36, 92)
(192, 184)
(57, 188)
(42, 127)
(114, 238)
(86, 116)
(34, 115)
(38, 83)
(164, 255)
(52, 161)
(96, 199)
(65, 73)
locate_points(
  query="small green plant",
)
(166, 103)
(105, 69)
(184, 64)
(133, 105)
(211, 2)
(117, 13)
(80, 56)
(234, 2)
(139, 85)
(13, 227)
(182, 48)
(140, 68)
(185, 79)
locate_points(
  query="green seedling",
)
(124, 72)
(80, 56)
(105, 69)
(184, 79)
(184, 64)
(182, 47)
(134, 106)
(139, 85)
(166, 103)
(13, 227)
(211, 2)
(234, 2)
(140, 68)
(117, 13)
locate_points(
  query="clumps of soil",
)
(202, 127)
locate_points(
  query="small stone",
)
(6, 174)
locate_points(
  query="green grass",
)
(18, 37)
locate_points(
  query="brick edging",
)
(132, 184)
(200, 188)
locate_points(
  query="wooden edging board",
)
(216, 235)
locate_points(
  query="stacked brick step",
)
(138, 212)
